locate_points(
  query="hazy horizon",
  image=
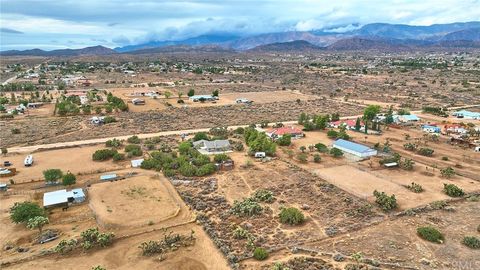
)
(47, 24)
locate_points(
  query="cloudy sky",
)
(52, 24)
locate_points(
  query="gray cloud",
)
(10, 31)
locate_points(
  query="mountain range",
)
(378, 36)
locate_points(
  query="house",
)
(108, 177)
(430, 129)
(348, 124)
(211, 147)
(276, 133)
(63, 198)
(355, 149)
(136, 163)
(467, 114)
(408, 118)
(203, 97)
(137, 101)
(455, 128)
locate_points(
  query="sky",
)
(49, 24)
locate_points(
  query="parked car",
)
(7, 163)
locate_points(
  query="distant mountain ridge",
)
(375, 36)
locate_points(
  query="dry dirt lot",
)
(76, 160)
(133, 202)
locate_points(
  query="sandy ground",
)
(134, 201)
(125, 254)
(76, 160)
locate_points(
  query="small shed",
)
(108, 177)
(391, 164)
(3, 187)
(136, 163)
(431, 129)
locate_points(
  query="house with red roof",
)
(347, 123)
(276, 133)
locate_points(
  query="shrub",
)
(447, 172)
(240, 233)
(407, 164)
(285, 140)
(134, 150)
(15, 131)
(291, 216)
(302, 157)
(452, 190)
(322, 148)
(52, 175)
(205, 169)
(410, 146)
(92, 237)
(430, 234)
(22, 212)
(335, 152)
(239, 130)
(200, 136)
(37, 223)
(187, 170)
(69, 179)
(332, 134)
(118, 157)
(103, 154)
(317, 158)
(247, 207)
(425, 152)
(115, 143)
(260, 254)
(66, 246)
(219, 158)
(384, 201)
(263, 195)
(471, 242)
(109, 119)
(414, 187)
(134, 139)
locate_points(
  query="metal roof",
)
(108, 176)
(352, 146)
(61, 196)
(136, 162)
(217, 144)
(410, 117)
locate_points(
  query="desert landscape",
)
(356, 149)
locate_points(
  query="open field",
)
(76, 160)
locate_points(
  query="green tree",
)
(200, 136)
(369, 114)
(358, 124)
(37, 223)
(22, 212)
(167, 94)
(292, 216)
(285, 140)
(69, 179)
(191, 92)
(4, 151)
(303, 148)
(215, 93)
(52, 175)
(386, 202)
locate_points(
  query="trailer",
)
(28, 161)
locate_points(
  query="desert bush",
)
(134, 150)
(430, 234)
(471, 242)
(187, 170)
(118, 157)
(425, 152)
(291, 216)
(92, 237)
(205, 169)
(200, 136)
(285, 140)
(410, 146)
(407, 164)
(52, 175)
(134, 139)
(115, 143)
(385, 202)
(414, 187)
(302, 157)
(260, 254)
(109, 119)
(447, 172)
(263, 195)
(335, 152)
(247, 207)
(317, 158)
(240, 233)
(452, 190)
(322, 148)
(332, 134)
(103, 154)
(66, 246)
(219, 158)
(69, 179)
